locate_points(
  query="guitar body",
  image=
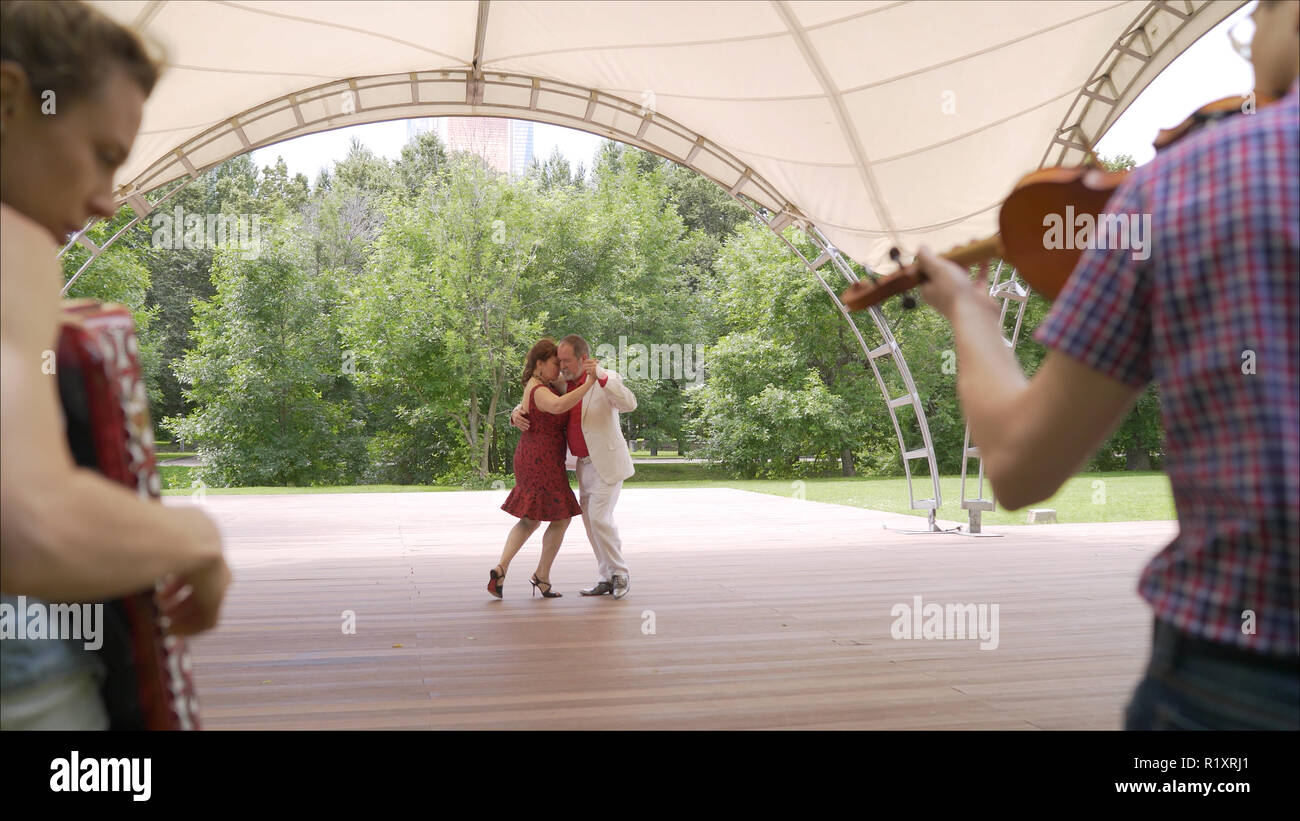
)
(149, 685)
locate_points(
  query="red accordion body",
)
(149, 685)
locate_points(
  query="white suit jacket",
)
(600, 427)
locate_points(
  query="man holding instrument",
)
(1213, 317)
(66, 533)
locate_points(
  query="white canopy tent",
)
(850, 115)
(865, 124)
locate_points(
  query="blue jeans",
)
(66, 702)
(1191, 685)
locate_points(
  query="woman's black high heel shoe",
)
(495, 580)
(537, 587)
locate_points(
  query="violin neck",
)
(976, 252)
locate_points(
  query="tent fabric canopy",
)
(879, 123)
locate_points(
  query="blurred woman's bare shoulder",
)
(26, 245)
(21, 228)
(29, 280)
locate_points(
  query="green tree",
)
(761, 287)
(120, 275)
(346, 212)
(746, 420)
(180, 267)
(555, 172)
(640, 291)
(443, 315)
(264, 365)
(423, 164)
(275, 186)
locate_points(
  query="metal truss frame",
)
(1161, 31)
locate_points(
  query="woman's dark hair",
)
(68, 47)
(544, 349)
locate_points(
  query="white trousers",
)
(598, 498)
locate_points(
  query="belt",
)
(1183, 644)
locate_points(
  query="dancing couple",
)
(569, 418)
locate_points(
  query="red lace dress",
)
(542, 491)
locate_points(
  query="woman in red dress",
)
(541, 492)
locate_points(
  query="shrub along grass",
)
(1090, 497)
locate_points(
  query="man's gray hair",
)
(578, 344)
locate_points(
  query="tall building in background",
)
(521, 142)
(506, 145)
(415, 128)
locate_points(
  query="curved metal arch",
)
(910, 397)
(1160, 32)
(139, 204)
(472, 92)
(890, 348)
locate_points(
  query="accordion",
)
(149, 683)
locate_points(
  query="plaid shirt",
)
(1212, 315)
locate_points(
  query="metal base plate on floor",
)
(960, 532)
(936, 531)
(933, 528)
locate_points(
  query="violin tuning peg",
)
(896, 256)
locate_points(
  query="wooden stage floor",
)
(767, 613)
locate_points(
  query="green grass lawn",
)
(1128, 497)
(1122, 496)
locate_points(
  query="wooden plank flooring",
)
(768, 612)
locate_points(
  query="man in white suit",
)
(599, 455)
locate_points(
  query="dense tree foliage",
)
(372, 326)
